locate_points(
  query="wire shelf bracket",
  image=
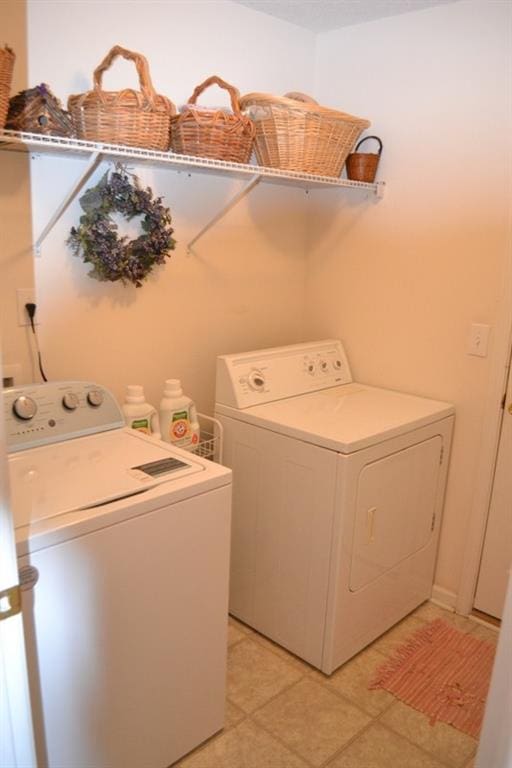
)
(253, 182)
(94, 160)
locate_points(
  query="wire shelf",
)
(21, 141)
(95, 153)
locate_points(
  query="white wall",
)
(401, 280)
(245, 285)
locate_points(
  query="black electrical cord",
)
(31, 312)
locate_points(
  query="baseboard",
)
(444, 597)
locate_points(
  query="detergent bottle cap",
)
(134, 393)
(173, 388)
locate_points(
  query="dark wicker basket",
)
(362, 166)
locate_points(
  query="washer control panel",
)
(38, 414)
(273, 374)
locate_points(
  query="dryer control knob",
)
(256, 381)
(95, 397)
(70, 401)
(324, 365)
(24, 408)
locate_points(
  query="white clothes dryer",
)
(123, 546)
(338, 492)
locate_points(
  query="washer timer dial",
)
(24, 408)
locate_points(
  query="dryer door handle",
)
(370, 525)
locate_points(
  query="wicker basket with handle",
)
(215, 133)
(7, 58)
(295, 133)
(136, 118)
(362, 166)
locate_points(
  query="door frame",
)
(492, 418)
(16, 731)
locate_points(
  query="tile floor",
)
(282, 713)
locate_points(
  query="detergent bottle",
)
(137, 413)
(178, 417)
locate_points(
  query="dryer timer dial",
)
(256, 381)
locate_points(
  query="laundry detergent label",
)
(179, 430)
(142, 425)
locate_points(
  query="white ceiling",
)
(323, 15)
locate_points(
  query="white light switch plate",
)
(478, 339)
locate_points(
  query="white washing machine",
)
(123, 547)
(337, 498)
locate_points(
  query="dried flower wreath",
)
(97, 238)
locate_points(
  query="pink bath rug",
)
(443, 673)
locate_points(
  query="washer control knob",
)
(70, 401)
(324, 365)
(95, 397)
(337, 364)
(256, 381)
(24, 407)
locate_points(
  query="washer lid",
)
(346, 418)
(90, 471)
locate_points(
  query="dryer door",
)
(395, 508)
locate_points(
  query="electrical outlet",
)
(11, 375)
(25, 296)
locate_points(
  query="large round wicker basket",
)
(215, 133)
(136, 118)
(295, 133)
(7, 58)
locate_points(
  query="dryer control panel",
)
(39, 414)
(253, 378)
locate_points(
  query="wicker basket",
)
(213, 133)
(136, 118)
(295, 133)
(362, 166)
(37, 110)
(7, 58)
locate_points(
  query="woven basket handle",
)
(370, 137)
(234, 93)
(141, 64)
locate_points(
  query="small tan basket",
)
(214, 133)
(294, 133)
(135, 118)
(362, 166)
(7, 57)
